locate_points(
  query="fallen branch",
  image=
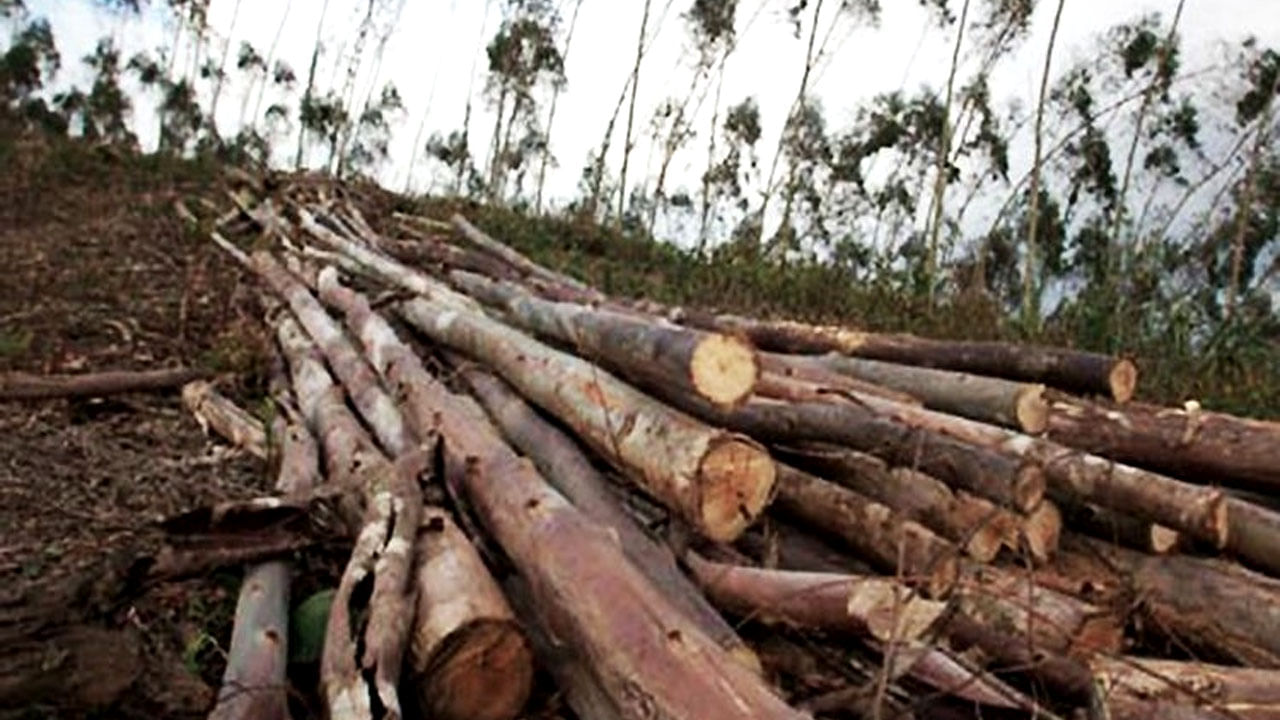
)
(25, 386)
(213, 410)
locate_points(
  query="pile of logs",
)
(683, 514)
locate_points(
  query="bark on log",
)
(1255, 535)
(467, 655)
(1192, 443)
(716, 481)
(1063, 368)
(647, 659)
(872, 530)
(213, 410)
(776, 543)
(447, 257)
(1125, 687)
(880, 608)
(719, 368)
(1124, 529)
(979, 526)
(513, 258)
(1021, 406)
(564, 465)
(1075, 476)
(26, 386)
(804, 368)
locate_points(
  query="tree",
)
(103, 113)
(308, 99)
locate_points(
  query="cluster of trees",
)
(1150, 206)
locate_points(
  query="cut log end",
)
(1032, 410)
(738, 477)
(987, 539)
(1028, 487)
(485, 673)
(1123, 380)
(724, 369)
(1040, 532)
(1164, 540)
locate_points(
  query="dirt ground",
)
(99, 273)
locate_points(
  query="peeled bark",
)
(1063, 368)
(644, 656)
(874, 531)
(25, 386)
(467, 655)
(1196, 444)
(879, 608)
(720, 368)
(564, 465)
(213, 410)
(1131, 687)
(1012, 404)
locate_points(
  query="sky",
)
(433, 52)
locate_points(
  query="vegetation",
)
(1147, 224)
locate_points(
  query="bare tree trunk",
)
(311, 85)
(271, 56)
(711, 158)
(940, 172)
(1030, 295)
(551, 113)
(631, 114)
(222, 70)
(1245, 209)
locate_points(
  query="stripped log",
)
(26, 386)
(979, 526)
(1064, 368)
(569, 470)
(720, 368)
(1192, 443)
(215, 411)
(1130, 688)
(1013, 404)
(646, 658)
(872, 530)
(874, 607)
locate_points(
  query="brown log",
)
(1063, 368)
(1255, 535)
(25, 386)
(804, 368)
(447, 257)
(1127, 686)
(214, 410)
(1191, 443)
(977, 525)
(467, 656)
(720, 368)
(568, 469)
(872, 530)
(513, 258)
(880, 608)
(1021, 406)
(777, 543)
(1124, 529)
(646, 657)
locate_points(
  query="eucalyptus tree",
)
(736, 169)
(102, 114)
(305, 107)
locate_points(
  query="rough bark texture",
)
(1126, 686)
(214, 411)
(467, 655)
(886, 538)
(1123, 529)
(645, 658)
(1255, 534)
(569, 470)
(814, 374)
(25, 386)
(867, 606)
(1191, 443)
(716, 481)
(1013, 404)
(1057, 367)
(720, 368)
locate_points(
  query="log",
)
(646, 658)
(880, 608)
(1125, 687)
(882, 536)
(1124, 529)
(1190, 443)
(1255, 535)
(780, 544)
(468, 658)
(803, 368)
(215, 411)
(513, 258)
(1021, 406)
(977, 525)
(717, 367)
(446, 257)
(1071, 370)
(568, 469)
(718, 482)
(26, 386)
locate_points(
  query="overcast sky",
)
(430, 56)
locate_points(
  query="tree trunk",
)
(213, 410)
(568, 469)
(720, 368)
(467, 656)
(25, 386)
(1062, 368)
(644, 656)
(1017, 405)
(1131, 687)
(1211, 447)
(873, 607)
(888, 540)
(631, 115)
(311, 85)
